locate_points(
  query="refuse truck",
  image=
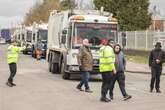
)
(27, 33)
(6, 34)
(67, 29)
(39, 34)
(23, 36)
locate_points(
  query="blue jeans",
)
(84, 79)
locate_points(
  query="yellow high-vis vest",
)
(12, 53)
(107, 59)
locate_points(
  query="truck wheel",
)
(50, 67)
(25, 52)
(66, 76)
(55, 68)
(33, 54)
(63, 73)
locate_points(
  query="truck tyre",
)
(66, 76)
(25, 52)
(50, 68)
(33, 54)
(63, 73)
(55, 68)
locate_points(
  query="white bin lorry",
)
(67, 29)
(39, 34)
(23, 35)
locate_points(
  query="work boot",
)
(103, 99)
(9, 84)
(127, 97)
(88, 90)
(111, 97)
(151, 90)
(158, 91)
(13, 84)
(79, 88)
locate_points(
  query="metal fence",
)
(141, 40)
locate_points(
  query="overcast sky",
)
(160, 4)
(13, 11)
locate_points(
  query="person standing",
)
(120, 64)
(107, 68)
(12, 58)
(39, 47)
(156, 59)
(85, 61)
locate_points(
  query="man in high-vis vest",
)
(12, 58)
(107, 68)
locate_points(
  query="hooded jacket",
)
(120, 61)
(156, 54)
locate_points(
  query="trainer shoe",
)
(9, 84)
(79, 88)
(88, 90)
(105, 100)
(127, 97)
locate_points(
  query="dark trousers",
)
(106, 83)
(120, 78)
(155, 76)
(13, 70)
(85, 75)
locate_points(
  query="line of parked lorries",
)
(5, 35)
(31, 37)
(62, 37)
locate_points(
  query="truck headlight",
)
(74, 55)
(73, 68)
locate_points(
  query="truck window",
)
(38, 36)
(94, 32)
(23, 36)
(34, 36)
(29, 36)
(18, 36)
(42, 34)
(69, 36)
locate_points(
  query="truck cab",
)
(66, 35)
(39, 34)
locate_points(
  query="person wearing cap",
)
(120, 64)
(156, 59)
(107, 68)
(39, 52)
(111, 43)
(12, 58)
(85, 61)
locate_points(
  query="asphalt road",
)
(37, 89)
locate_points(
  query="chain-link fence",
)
(141, 40)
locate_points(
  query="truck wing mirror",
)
(64, 32)
(63, 40)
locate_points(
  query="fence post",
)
(135, 40)
(126, 40)
(146, 39)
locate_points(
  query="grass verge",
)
(137, 59)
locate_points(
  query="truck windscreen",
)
(43, 34)
(29, 36)
(94, 32)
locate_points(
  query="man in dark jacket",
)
(85, 61)
(120, 64)
(156, 59)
